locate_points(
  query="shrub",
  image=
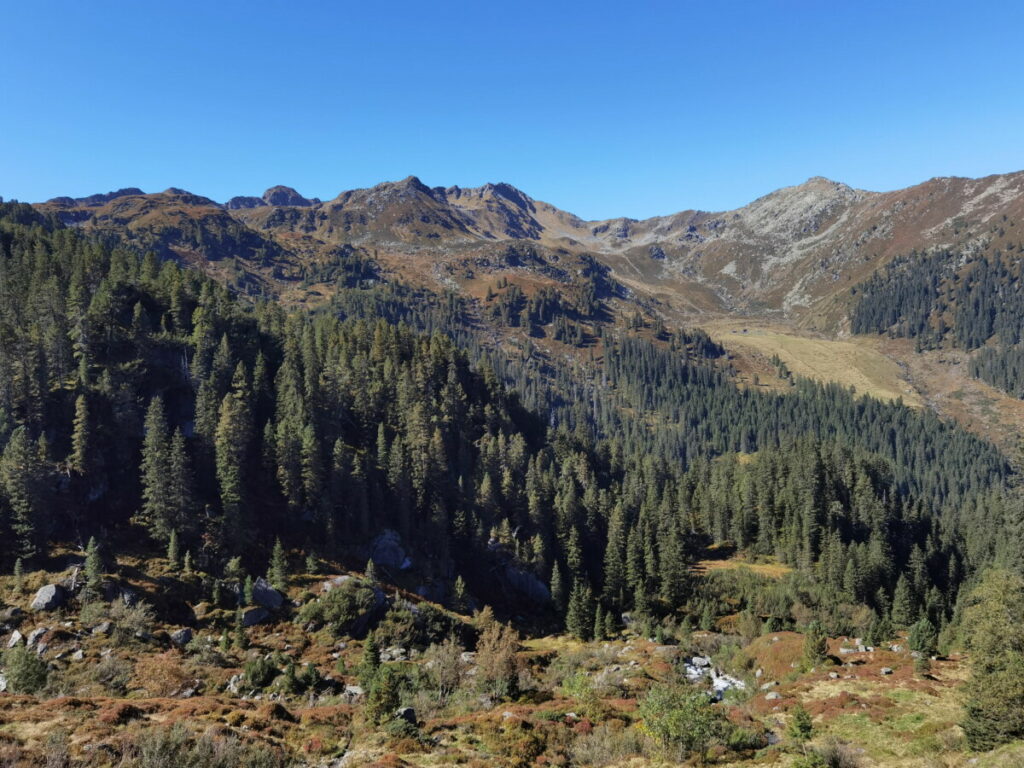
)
(113, 674)
(26, 672)
(174, 746)
(833, 754)
(607, 744)
(340, 608)
(446, 667)
(130, 620)
(800, 728)
(259, 672)
(681, 720)
(497, 671)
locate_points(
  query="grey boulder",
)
(49, 598)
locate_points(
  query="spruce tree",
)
(579, 618)
(815, 645)
(154, 471)
(93, 586)
(20, 477)
(559, 594)
(172, 549)
(231, 445)
(994, 621)
(79, 458)
(278, 572)
(904, 610)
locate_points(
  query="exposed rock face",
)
(265, 595)
(527, 585)
(388, 552)
(280, 195)
(243, 203)
(49, 598)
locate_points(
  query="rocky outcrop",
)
(387, 551)
(244, 203)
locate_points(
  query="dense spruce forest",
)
(140, 396)
(973, 302)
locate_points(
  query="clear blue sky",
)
(598, 107)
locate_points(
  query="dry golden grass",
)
(852, 362)
(770, 569)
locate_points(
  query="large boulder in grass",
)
(253, 616)
(49, 598)
(265, 595)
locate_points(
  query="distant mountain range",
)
(793, 253)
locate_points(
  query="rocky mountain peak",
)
(284, 196)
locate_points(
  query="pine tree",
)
(904, 610)
(559, 596)
(815, 645)
(172, 549)
(231, 446)
(579, 618)
(460, 596)
(278, 573)
(994, 621)
(93, 587)
(79, 458)
(180, 499)
(370, 661)
(154, 471)
(20, 477)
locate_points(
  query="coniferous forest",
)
(139, 396)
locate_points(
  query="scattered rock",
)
(234, 684)
(769, 685)
(49, 598)
(773, 696)
(16, 637)
(11, 616)
(886, 670)
(182, 637)
(35, 635)
(103, 628)
(3, 683)
(78, 655)
(833, 675)
(354, 692)
(406, 713)
(394, 653)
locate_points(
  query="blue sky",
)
(604, 109)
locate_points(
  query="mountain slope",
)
(792, 254)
